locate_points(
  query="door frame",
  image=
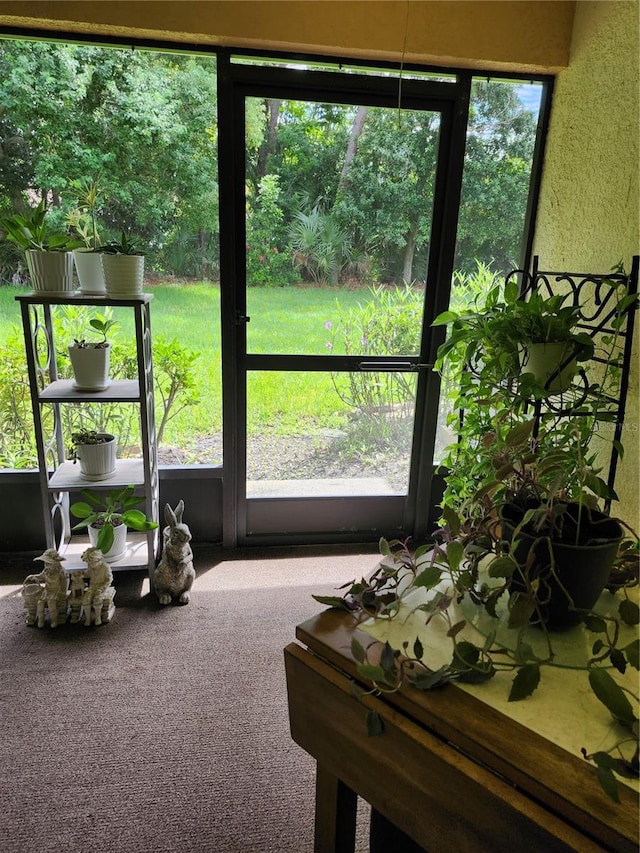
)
(411, 515)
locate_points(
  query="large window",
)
(335, 233)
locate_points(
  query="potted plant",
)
(96, 452)
(47, 252)
(90, 359)
(106, 516)
(83, 219)
(538, 338)
(123, 265)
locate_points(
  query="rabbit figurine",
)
(174, 575)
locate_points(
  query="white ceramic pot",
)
(50, 272)
(89, 270)
(90, 367)
(97, 461)
(123, 274)
(119, 547)
(543, 360)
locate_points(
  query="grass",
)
(283, 320)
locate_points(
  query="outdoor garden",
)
(338, 224)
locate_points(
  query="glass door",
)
(339, 273)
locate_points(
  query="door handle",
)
(392, 366)
(242, 318)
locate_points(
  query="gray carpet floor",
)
(167, 729)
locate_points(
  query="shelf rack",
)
(58, 475)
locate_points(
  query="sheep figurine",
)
(174, 575)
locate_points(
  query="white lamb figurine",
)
(174, 574)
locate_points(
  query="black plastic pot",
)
(581, 569)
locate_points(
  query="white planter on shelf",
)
(119, 547)
(123, 274)
(90, 367)
(90, 273)
(97, 461)
(50, 272)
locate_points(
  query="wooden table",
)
(448, 770)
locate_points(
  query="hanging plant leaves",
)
(611, 695)
(375, 726)
(526, 680)
(629, 612)
(632, 651)
(430, 577)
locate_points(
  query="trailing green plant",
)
(31, 230)
(108, 509)
(434, 582)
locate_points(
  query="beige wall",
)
(524, 35)
(589, 212)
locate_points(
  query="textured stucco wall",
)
(589, 211)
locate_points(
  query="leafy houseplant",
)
(96, 452)
(104, 514)
(123, 265)
(510, 333)
(90, 359)
(523, 486)
(47, 252)
(83, 219)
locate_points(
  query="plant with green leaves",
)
(31, 230)
(438, 583)
(84, 436)
(126, 245)
(84, 217)
(102, 324)
(106, 510)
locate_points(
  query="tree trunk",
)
(352, 145)
(409, 252)
(269, 144)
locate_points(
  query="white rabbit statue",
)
(174, 575)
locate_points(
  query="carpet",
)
(167, 729)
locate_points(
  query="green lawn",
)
(283, 320)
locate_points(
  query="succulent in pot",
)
(108, 515)
(48, 252)
(96, 452)
(123, 265)
(90, 359)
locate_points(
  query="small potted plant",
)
(90, 359)
(83, 219)
(48, 253)
(96, 452)
(123, 265)
(106, 516)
